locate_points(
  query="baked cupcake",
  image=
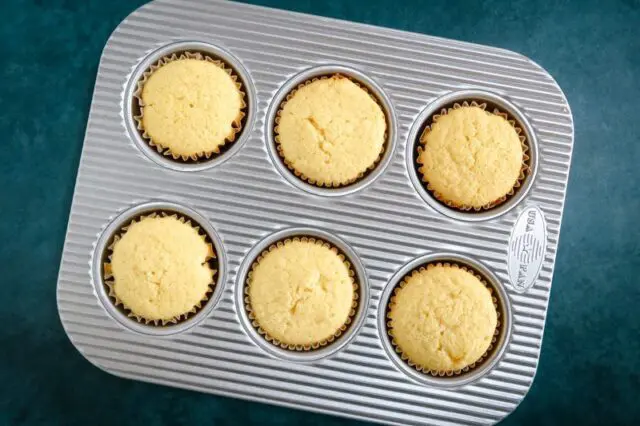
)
(330, 131)
(442, 319)
(190, 106)
(159, 269)
(471, 158)
(300, 293)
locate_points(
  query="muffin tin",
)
(386, 223)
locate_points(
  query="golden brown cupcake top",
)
(191, 107)
(442, 318)
(301, 292)
(331, 131)
(160, 269)
(470, 157)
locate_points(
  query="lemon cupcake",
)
(190, 106)
(442, 319)
(330, 131)
(301, 293)
(471, 158)
(159, 269)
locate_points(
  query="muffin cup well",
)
(319, 350)
(524, 169)
(131, 105)
(480, 367)
(306, 77)
(491, 102)
(109, 278)
(315, 345)
(137, 94)
(420, 367)
(104, 281)
(302, 175)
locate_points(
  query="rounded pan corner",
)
(521, 397)
(539, 67)
(81, 351)
(131, 14)
(116, 30)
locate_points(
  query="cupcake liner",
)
(237, 125)
(109, 280)
(448, 373)
(525, 169)
(315, 345)
(302, 176)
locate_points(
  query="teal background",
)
(590, 365)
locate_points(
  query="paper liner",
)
(325, 184)
(109, 280)
(315, 345)
(237, 125)
(525, 170)
(448, 373)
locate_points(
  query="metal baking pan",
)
(387, 222)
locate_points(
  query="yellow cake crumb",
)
(331, 131)
(191, 107)
(301, 292)
(471, 157)
(443, 318)
(160, 268)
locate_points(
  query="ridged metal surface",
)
(245, 199)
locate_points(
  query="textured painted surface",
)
(593, 324)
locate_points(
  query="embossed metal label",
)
(527, 245)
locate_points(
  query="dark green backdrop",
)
(589, 370)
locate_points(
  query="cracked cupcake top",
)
(442, 318)
(160, 269)
(471, 157)
(331, 131)
(301, 292)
